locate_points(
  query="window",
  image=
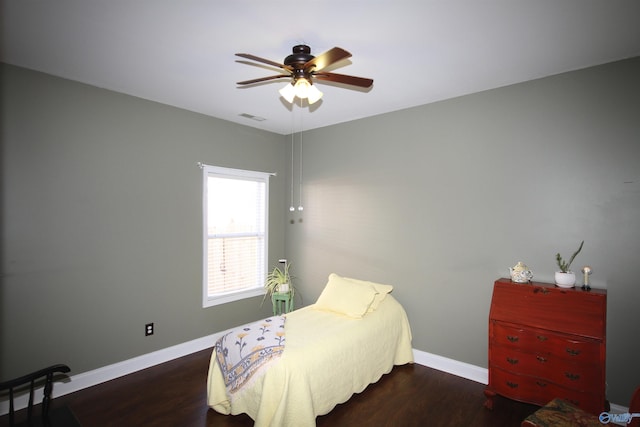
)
(235, 234)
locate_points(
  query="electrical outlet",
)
(148, 329)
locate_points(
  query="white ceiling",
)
(181, 53)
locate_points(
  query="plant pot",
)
(283, 288)
(565, 280)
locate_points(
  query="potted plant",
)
(279, 281)
(565, 278)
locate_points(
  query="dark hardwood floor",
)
(174, 394)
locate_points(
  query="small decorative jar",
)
(520, 273)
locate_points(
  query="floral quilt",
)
(244, 352)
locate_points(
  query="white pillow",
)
(346, 297)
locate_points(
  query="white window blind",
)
(235, 233)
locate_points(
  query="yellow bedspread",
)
(327, 358)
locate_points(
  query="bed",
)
(354, 333)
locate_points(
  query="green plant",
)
(278, 277)
(564, 266)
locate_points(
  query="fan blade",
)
(325, 59)
(342, 78)
(262, 79)
(264, 61)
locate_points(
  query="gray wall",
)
(441, 199)
(101, 222)
(101, 212)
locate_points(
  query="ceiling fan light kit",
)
(302, 89)
(302, 68)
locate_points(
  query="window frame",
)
(258, 289)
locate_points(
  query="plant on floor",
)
(278, 280)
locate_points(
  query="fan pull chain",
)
(300, 208)
(291, 208)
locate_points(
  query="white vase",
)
(565, 280)
(283, 288)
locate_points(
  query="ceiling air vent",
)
(252, 117)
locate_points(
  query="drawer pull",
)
(541, 359)
(573, 352)
(541, 384)
(512, 385)
(541, 338)
(513, 338)
(512, 361)
(572, 377)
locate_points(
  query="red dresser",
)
(547, 342)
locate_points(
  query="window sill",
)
(232, 296)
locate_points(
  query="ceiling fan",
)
(302, 68)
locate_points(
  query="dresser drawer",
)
(539, 391)
(578, 376)
(541, 341)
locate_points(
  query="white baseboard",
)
(110, 372)
(617, 409)
(450, 366)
